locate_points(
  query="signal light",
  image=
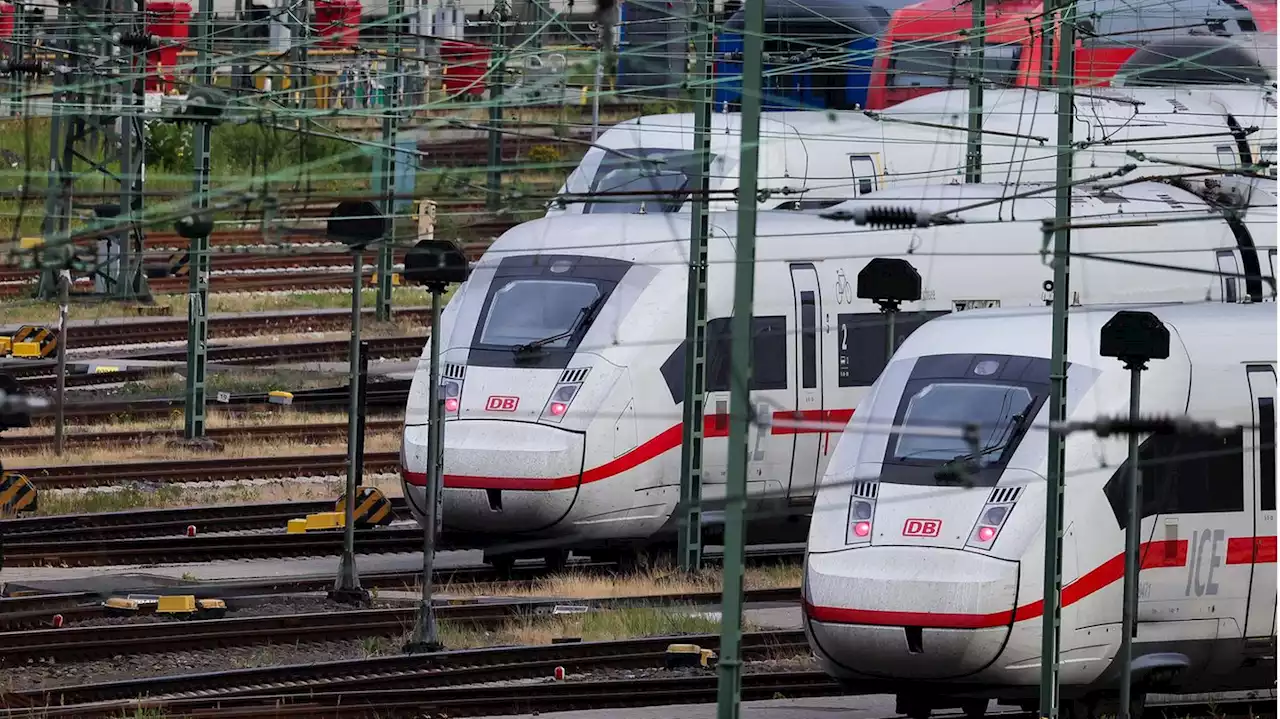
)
(862, 529)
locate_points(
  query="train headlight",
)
(862, 510)
(559, 402)
(987, 528)
(451, 389)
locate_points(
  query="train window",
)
(1189, 474)
(808, 341)
(1230, 279)
(941, 65)
(1267, 453)
(768, 353)
(1226, 156)
(861, 341)
(865, 179)
(673, 372)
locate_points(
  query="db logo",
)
(501, 403)
(921, 528)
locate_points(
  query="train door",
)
(866, 177)
(806, 444)
(1261, 619)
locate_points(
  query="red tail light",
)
(558, 408)
(862, 529)
(451, 404)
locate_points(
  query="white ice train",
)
(933, 590)
(813, 159)
(562, 355)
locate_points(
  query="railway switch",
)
(33, 341)
(6, 346)
(17, 494)
(296, 526)
(280, 397)
(373, 509)
(324, 520)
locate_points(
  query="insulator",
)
(140, 40)
(22, 67)
(890, 217)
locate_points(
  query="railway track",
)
(398, 672)
(71, 643)
(114, 334)
(164, 522)
(383, 396)
(202, 470)
(403, 347)
(280, 432)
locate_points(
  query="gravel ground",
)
(139, 667)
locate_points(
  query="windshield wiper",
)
(954, 470)
(585, 317)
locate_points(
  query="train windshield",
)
(525, 311)
(537, 308)
(645, 179)
(998, 395)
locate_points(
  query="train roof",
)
(1198, 60)
(865, 16)
(663, 237)
(1142, 199)
(1210, 331)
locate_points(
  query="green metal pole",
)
(730, 668)
(1058, 373)
(347, 586)
(198, 248)
(696, 311)
(390, 130)
(426, 636)
(1129, 617)
(494, 184)
(977, 42)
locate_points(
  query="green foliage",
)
(543, 154)
(168, 146)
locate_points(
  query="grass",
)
(216, 420)
(607, 625)
(32, 311)
(122, 499)
(652, 581)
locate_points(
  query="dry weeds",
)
(160, 450)
(653, 581)
(221, 303)
(613, 624)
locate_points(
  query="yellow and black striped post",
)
(372, 509)
(180, 264)
(33, 341)
(17, 494)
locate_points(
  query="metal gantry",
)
(977, 54)
(1060, 231)
(193, 426)
(690, 548)
(385, 179)
(493, 184)
(97, 105)
(729, 691)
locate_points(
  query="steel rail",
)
(291, 432)
(200, 470)
(161, 522)
(105, 333)
(384, 672)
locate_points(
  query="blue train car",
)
(818, 53)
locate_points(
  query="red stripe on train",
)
(714, 425)
(1154, 555)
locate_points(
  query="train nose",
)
(500, 476)
(909, 612)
